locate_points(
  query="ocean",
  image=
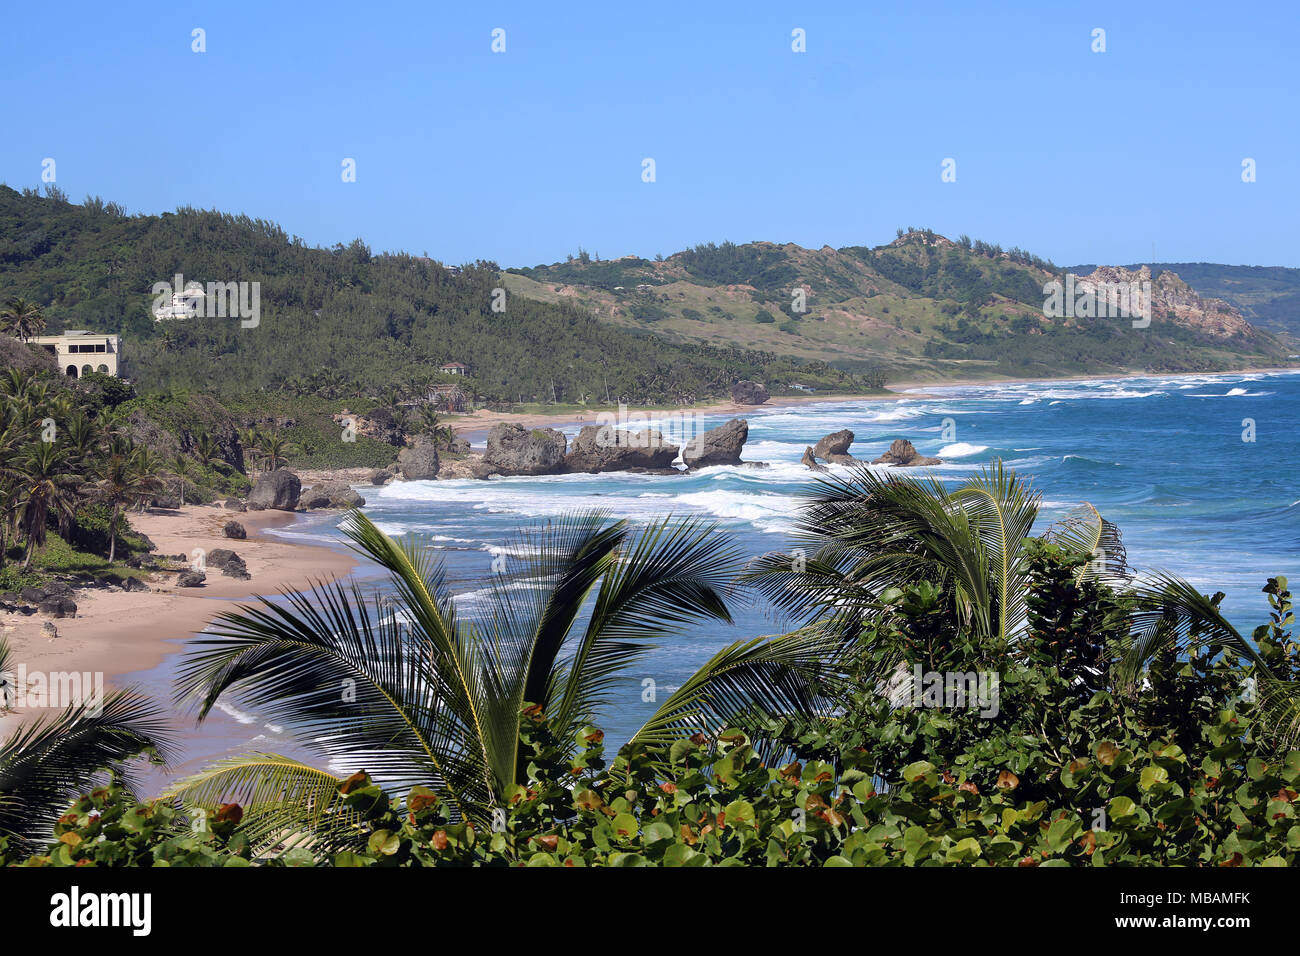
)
(1201, 474)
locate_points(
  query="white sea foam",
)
(961, 449)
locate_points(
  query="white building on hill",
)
(80, 352)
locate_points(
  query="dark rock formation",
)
(233, 529)
(234, 504)
(419, 463)
(746, 392)
(228, 563)
(903, 454)
(58, 605)
(190, 579)
(516, 450)
(835, 447)
(277, 490)
(600, 448)
(381, 478)
(811, 461)
(330, 494)
(717, 446)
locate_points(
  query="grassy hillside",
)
(923, 307)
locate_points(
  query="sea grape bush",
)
(1072, 771)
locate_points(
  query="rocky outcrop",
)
(599, 448)
(1171, 299)
(515, 450)
(275, 490)
(810, 460)
(746, 392)
(233, 529)
(234, 504)
(380, 478)
(419, 463)
(471, 466)
(227, 562)
(380, 424)
(835, 448)
(717, 446)
(903, 454)
(330, 494)
(190, 579)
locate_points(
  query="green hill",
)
(341, 322)
(923, 307)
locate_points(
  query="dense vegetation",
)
(1130, 725)
(342, 316)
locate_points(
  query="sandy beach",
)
(118, 632)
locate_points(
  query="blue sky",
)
(527, 155)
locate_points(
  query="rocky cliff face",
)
(1174, 300)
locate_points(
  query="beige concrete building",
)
(80, 352)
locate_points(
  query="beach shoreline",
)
(119, 632)
(477, 425)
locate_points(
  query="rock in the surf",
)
(835, 447)
(903, 454)
(516, 450)
(717, 446)
(599, 448)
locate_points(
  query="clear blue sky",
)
(524, 156)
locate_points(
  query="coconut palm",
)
(868, 533)
(22, 319)
(272, 448)
(182, 467)
(46, 484)
(120, 481)
(208, 452)
(47, 763)
(416, 694)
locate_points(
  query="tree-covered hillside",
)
(341, 321)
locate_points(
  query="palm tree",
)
(416, 694)
(249, 440)
(272, 448)
(869, 533)
(46, 484)
(48, 763)
(121, 481)
(22, 319)
(208, 452)
(182, 467)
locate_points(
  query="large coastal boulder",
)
(835, 447)
(746, 392)
(275, 490)
(233, 529)
(717, 446)
(419, 463)
(330, 494)
(902, 453)
(190, 579)
(600, 448)
(515, 450)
